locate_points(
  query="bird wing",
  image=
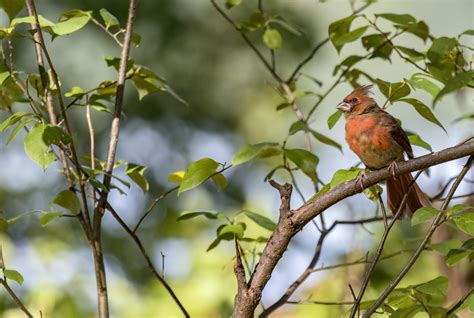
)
(398, 134)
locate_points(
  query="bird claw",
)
(393, 169)
(360, 178)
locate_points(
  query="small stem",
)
(17, 300)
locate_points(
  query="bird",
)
(379, 141)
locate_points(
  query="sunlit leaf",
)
(13, 275)
(341, 176)
(456, 255)
(232, 3)
(49, 217)
(272, 38)
(137, 174)
(76, 91)
(36, 148)
(176, 176)
(435, 287)
(109, 19)
(71, 21)
(220, 180)
(419, 80)
(197, 172)
(465, 222)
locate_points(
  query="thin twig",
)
(460, 302)
(247, 40)
(378, 254)
(434, 225)
(15, 298)
(147, 258)
(316, 302)
(319, 46)
(113, 36)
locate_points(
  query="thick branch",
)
(289, 226)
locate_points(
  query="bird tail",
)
(396, 189)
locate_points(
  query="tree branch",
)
(434, 225)
(17, 300)
(294, 221)
(147, 258)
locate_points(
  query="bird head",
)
(357, 102)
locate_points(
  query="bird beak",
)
(343, 106)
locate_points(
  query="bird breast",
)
(372, 141)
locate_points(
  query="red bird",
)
(379, 141)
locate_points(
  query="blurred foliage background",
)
(231, 102)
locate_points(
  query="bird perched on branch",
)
(379, 141)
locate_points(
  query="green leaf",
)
(464, 117)
(423, 110)
(18, 128)
(220, 180)
(339, 32)
(468, 32)
(304, 160)
(419, 80)
(441, 48)
(261, 220)
(372, 193)
(176, 176)
(207, 214)
(412, 54)
(424, 214)
(420, 29)
(456, 255)
(13, 119)
(459, 81)
(352, 36)
(341, 176)
(333, 119)
(378, 42)
(136, 173)
(109, 19)
(326, 140)
(272, 38)
(435, 287)
(400, 19)
(76, 91)
(12, 7)
(147, 85)
(197, 172)
(465, 222)
(417, 141)
(3, 225)
(232, 3)
(260, 150)
(349, 62)
(445, 246)
(44, 23)
(49, 217)
(36, 148)
(458, 209)
(13, 275)
(71, 21)
(234, 229)
(54, 135)
(4, 76)
(68, 200)
(393, 91)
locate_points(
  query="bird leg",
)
(361, 177)
(393, 169)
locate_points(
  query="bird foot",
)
(361, 178)
(393, 169)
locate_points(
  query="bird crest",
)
(363, 90)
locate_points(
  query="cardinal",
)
(379, 141)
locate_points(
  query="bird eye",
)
(354, 100)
